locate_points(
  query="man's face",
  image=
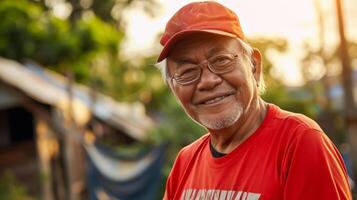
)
(215, 101)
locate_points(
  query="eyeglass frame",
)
(234, 61)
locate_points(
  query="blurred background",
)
(84, 114)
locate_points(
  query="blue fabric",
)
(121, 156)
(346, 158)
(144, 186)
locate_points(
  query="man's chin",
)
(220, 122)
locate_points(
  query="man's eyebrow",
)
(183, 59)
(216, 49)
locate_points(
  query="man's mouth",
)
(215, 100)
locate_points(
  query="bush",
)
(11, 189)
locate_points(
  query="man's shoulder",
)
(196, 145)
(298, 131)
(191, 150)
(294, 120)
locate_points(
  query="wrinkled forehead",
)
(203, 44)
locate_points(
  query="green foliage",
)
(298, 100)
(56, 44)
(10, 189)
(97, 35)
(27, 32)
(19, 27)
(110, 11)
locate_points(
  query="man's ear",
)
(256, 60)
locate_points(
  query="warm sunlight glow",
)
(293, 20)
(62, 10)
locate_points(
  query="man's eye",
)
(221, 61)
(187, 71)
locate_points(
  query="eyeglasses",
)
(187, 72)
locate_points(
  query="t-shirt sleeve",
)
(174, 177)
(170, 181)
(313, 169)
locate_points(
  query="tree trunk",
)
(349, 109)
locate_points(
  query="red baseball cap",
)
(207, 16)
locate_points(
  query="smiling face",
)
(215, 101)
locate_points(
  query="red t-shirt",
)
(288, 157)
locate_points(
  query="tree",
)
(109, 11)
(28, 32)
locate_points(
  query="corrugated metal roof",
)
(49, 87)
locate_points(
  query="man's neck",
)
(227, 139)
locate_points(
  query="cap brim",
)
(174, 39)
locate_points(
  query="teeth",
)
(215, 100)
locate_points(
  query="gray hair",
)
(247, 51)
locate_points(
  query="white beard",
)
(224, 121)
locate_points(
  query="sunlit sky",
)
(294, 20)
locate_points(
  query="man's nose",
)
(208, 79)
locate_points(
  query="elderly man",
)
(253, 150)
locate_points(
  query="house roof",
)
(50, 88)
